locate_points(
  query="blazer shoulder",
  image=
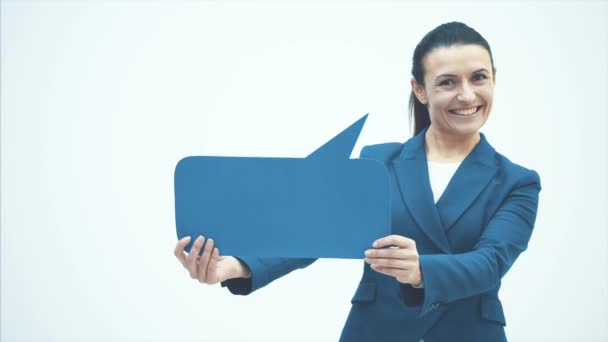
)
(381, 152)
(518, 173)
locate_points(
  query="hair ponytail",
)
(419, 114)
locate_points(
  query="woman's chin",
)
(465, 129)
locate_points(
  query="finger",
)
(394, 253)
(179, 250)
(194, 253)
(392, 263)
(212, 268)
(396, 240)
(204, 262)
(390, 271)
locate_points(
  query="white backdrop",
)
(101, 99)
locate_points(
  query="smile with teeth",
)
(465, 112)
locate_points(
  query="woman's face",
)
(459, 88)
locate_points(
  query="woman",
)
(461, 212)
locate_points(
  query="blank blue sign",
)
(322, 206)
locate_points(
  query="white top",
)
(440, 175)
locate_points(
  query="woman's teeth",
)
(465, 112)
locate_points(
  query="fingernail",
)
(187, 238)
(367, 253)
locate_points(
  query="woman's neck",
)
(447, 148)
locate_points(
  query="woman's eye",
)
(449, 82)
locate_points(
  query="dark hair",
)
(445, 35)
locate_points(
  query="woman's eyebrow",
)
(450, 75)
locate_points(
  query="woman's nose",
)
(466, 93)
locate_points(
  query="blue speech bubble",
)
(322, 206)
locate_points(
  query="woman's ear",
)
(418, 91)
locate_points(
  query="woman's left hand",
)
(400, 262)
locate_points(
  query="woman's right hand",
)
(210, 267)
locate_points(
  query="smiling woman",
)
(461, 212)
(453, 87)
(459, 86)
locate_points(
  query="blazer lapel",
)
(414, 186)
(473, 175)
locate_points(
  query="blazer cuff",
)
(410, 295)
(429, 301)
(238, 286)
(244, 286)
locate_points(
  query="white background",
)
(101, 99)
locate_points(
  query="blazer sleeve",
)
(263, 272)
(450, 277)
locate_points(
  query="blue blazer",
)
(466, 242)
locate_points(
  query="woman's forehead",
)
(457, 59)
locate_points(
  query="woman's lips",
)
(465, 112)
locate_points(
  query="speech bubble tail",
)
(340, 146)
